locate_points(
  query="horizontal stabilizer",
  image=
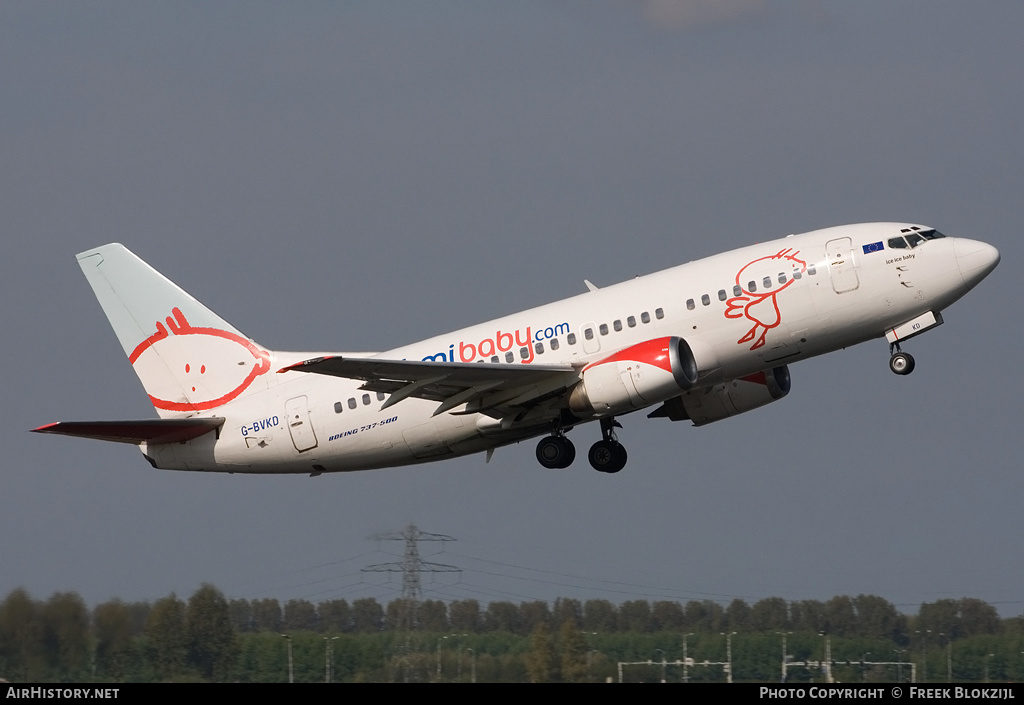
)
(152, 431)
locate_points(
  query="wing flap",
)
(152, 431)
(465, 373)
(479, 385)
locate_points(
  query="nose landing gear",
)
(900, 362)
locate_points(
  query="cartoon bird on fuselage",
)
(762, 307)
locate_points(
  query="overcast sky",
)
(341, 176)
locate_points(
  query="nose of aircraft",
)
(975, 259)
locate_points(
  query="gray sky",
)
(336, 176)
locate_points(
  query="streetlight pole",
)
(899, 664)
(291, 669)
(785, 654)
(828, 656)
(686, 661)
(439, 657)
(924, 653)
(728, 655)
(590, 655)
(459, 647)
(949, 659)
(328, 657)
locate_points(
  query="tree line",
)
(213, 638)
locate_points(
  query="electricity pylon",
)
(411, 566)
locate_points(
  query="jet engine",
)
(702, 406)
(635, 377)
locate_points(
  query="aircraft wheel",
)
(901, 363)
(607, 456)
(555, 452)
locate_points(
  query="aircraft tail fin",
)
(187, 357)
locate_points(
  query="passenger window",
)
(381, 395)
(782, 277)
(366, 400)
(588, 333)
(352, 402)
(797, 274)
(811, 271)
(524, 353)
(509, 357)
(603, 328)
(617, 325)
(338, 407)
(737, 290)
(690, 305)
(751, 286)
(539, 347)
(494, 359)
(571, 338)
(554, 343)
(706, 300)
(631, 321)
(645, 317)
(767, 281)
(659, 313)
(722, 296)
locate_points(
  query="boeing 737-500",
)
(702, 341)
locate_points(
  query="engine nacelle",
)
(635, 377)
(702, 406)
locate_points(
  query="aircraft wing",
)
(483, 387)
(144, 431)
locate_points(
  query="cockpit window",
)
(914, 238)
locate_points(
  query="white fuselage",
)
(741, 312)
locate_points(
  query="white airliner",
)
(702, 341)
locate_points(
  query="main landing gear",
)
(900, 362)
(556, 451)
(607, 455)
